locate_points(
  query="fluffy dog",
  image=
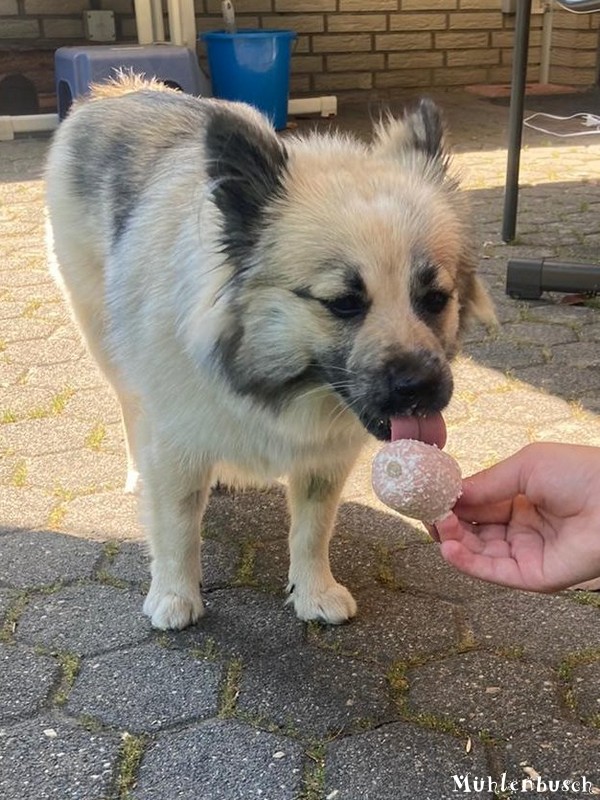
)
(259, 305)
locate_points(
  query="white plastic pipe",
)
(33, 123)
(182, 23)
(26, 123)
(149, 21)
(326, 106)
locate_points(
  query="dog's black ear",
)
(246, 164)
(419, 131)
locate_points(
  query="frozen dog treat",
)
(416, 479)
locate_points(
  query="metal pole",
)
(515, 119)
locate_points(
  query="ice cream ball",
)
(416, 479)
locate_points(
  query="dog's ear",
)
(420, 131)
(475, 302)
(246, 164)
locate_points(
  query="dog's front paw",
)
(332, 604)
(171, 611)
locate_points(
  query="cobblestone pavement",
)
(439, 675)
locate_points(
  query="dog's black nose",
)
(416, 383)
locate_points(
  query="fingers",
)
(499, 483)
(488, 496)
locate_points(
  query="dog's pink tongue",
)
(430, 429)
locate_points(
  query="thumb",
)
(503, 481)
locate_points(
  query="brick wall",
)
(344, 45)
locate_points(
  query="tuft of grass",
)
(104, 577)
(55, 407)
(15, 611)
(585, 598)
(245, 572)
(565, 673)
(57, 516)
(384, 574)
(32, 307)
(314, 773)
(64, 495)
(19, 475)
(230, 689)
(96, 437)
(515, 653)
(207, 652)
(111, 550)
(573, 660)
(60, 400)
(468, 643)
(396, 677)
(130, 758)
(70, 664)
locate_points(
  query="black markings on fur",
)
(106, 167)
(427, 128)
(318, 488)
(247, 165)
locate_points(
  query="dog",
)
(260, 305)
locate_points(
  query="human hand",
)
(529, 522)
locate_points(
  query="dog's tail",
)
(126, 81)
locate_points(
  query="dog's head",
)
(351, 264)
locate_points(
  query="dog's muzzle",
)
(417, 385)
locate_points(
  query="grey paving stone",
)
(568, 383)
(245, 623)
(221, 760)
(374, 525)
(25, 506)
(81, 470)
(353, 562)
(483, 692)
(533, 407)
(422, 568)
(577, 355)
(505, 355)
(400, 761)
(315, 692)
(85, 619)
(105, 514)
(51, 435)
(37, 558)
(547, 311)
(43, 352)
(586, 690)
(94, 404)
(539, 333)
(51, 758)
(25, 680)
(536, 623)
(474, 446)
(250, 514)
(558, 750)
(219, 562)
(390, 627)
(146, 688)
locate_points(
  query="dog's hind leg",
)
(82, 283)
(313, 498)
(173, 506)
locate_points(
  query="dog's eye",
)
(347, 306)
(435, 301)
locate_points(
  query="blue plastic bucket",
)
(252, 66)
